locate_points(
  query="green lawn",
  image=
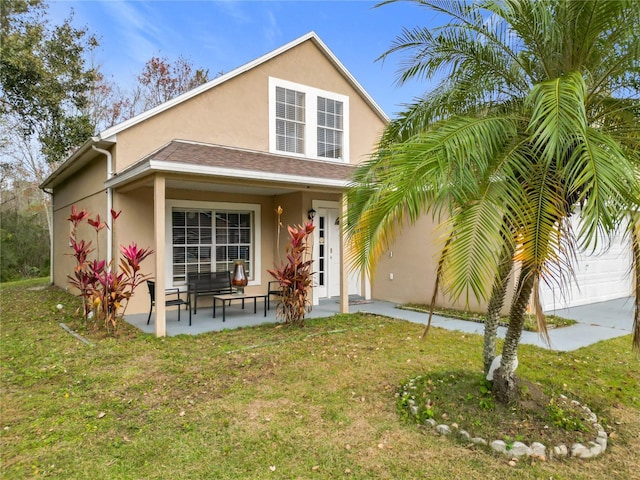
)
(269, 402)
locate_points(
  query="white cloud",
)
(271, 29)
(142, 31)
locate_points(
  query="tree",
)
(43, 77)
(43, 86)
(23, 229)
(159, 81)
(537, 119)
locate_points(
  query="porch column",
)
(344, 272)
(158, 240)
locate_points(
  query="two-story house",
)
(198, 178)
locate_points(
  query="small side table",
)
(230, 297)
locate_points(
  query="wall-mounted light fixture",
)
(311, 214)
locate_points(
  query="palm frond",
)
(600, 171)
(557, 115)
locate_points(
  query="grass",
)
(530, 324)
(271, 402)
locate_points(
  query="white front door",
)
(327, 253)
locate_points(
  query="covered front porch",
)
(200, 207)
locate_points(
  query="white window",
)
(290, 116)
(329, 128)
(306, 121)
(191, 242)
(207, 237)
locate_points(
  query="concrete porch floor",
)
(236, 317)
(596, 322)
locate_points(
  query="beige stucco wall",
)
(85, 183)
(85, 191)
(412, 260)
(236, 112)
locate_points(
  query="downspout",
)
(109, 202)
(49, 192)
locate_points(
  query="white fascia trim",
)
(171, 167)
(69, 161)
(350, 77)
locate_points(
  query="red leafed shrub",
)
(105, 288)
(295, 277)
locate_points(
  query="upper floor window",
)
(307, 121)
(290, 119)
(329, 128)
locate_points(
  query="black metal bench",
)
(208, 284)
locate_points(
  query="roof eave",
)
(156, 166)
(63, 170)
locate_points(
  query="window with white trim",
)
(290, 117)
(306, 121)
(205, 240)
(329, 128)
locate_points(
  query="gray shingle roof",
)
(224, 157)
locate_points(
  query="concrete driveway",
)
(596, 321)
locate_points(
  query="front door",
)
(327, 253)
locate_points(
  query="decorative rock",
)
(538, 450)
(602, 442)
(499, 446)
(519, 449)
(443, 429)
(594, 449)
(580, 451)
(561, 450)
(516, 450)
(590, 415)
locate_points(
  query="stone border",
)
(519, 449)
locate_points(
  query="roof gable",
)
(110, 133)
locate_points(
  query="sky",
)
(223, 35)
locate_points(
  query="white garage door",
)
(600, 276)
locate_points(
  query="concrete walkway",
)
(596, 322)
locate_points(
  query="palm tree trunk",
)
(504, 380)
(494, 308)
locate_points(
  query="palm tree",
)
(537, 119)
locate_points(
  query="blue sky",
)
(222, 35)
